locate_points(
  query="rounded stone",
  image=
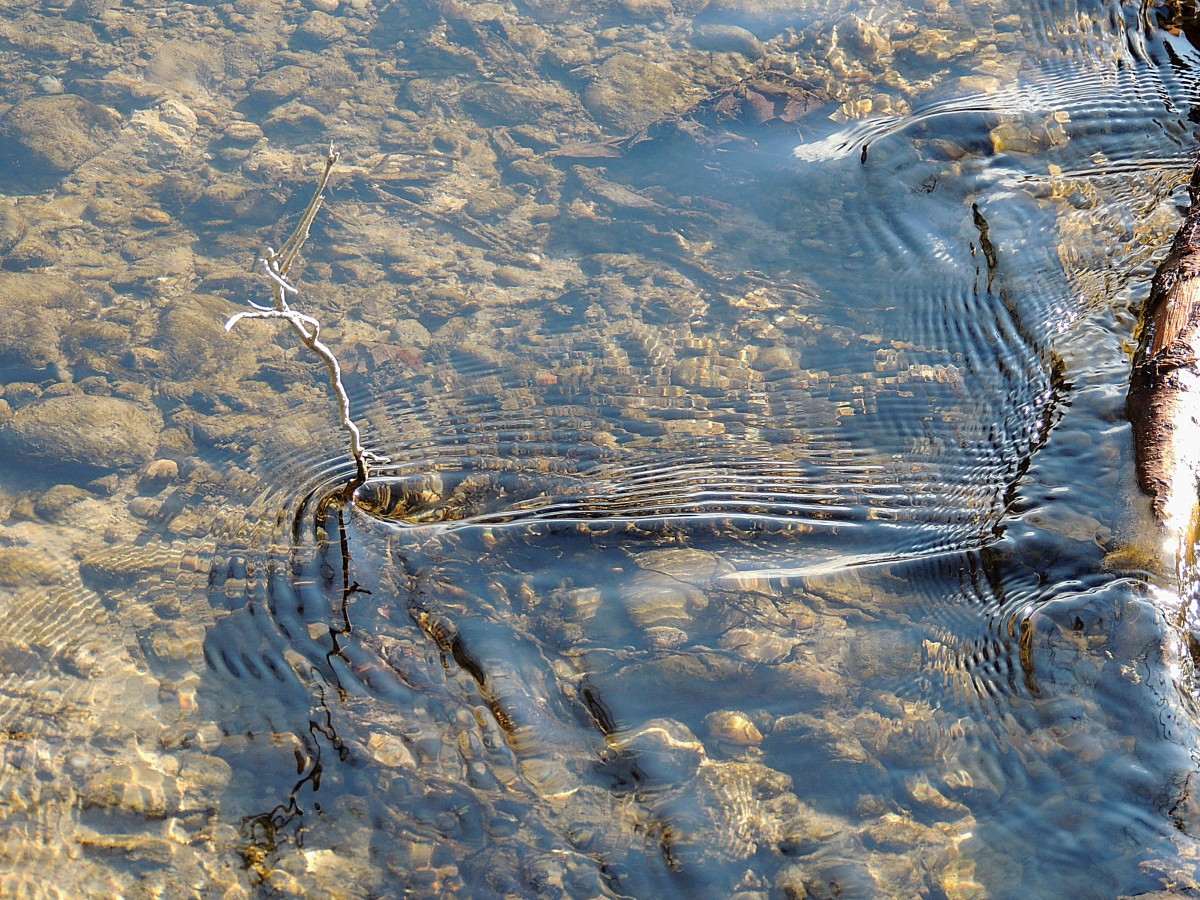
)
(318, 31)
(279, 85)
(493, 103)
(648, 10)
(161, 470)
(20, 566)
(243, 132)
(727, 39)
(45, 137)
(55, 504)
(630, 92)
(34, 308)
(48, 84)
(83, 431)
(136, 789)
(732, 727)
(202, 781)
(13, 226)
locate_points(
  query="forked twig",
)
(307, 328)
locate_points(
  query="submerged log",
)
(1163, 403)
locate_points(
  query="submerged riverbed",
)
(752, 379)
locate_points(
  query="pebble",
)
(665, 637)
(510, 276)
(243, 132)
(666, 750)
(133, 788)
(275, 87)
(319, 30)
(145, 507)
(45, 137)
(774, 358)
(507, 104)
(119, 567)
(648, 10)
(20, 566)
(293, 119)
(48, 84)
(732, 727)
(165, 133)
(657, 602)
(390, 751)
(727, 39)
(13, 226)
(791, 883)
(161, 470)
(84, 432)
(55, 504)
(202, 781)
(21, 393)
(630, 92)
(757, 645)
(34, 311)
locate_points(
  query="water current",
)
(757, 514)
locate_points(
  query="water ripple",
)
(812, 496)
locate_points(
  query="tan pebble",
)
(925, 793)
(144, 507)
(20, 566)
(647, 9)
(664, 637)
(243, 132)
(162, 470)
(142, 358)
(733, 728)
(390, 751)
(655, 604)
(21, 392)
(584, 603)
(756, 646)
(1018, 137)
(510, 276)
(133, 788)
(549, 777)
(283, 884)
(695, 427)
(421, 855)
(774, 358)
(148, 215)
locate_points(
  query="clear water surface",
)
(752, 379)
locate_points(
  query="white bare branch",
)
(307, 328)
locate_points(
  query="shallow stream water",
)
(757, 519)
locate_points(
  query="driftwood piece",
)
(1163, 403)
